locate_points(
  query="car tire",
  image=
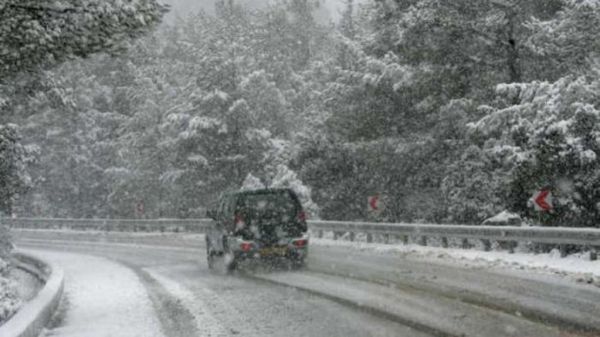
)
(228, 257)
(210, 259)
(232, 266)
(230, 261)
(210, 255)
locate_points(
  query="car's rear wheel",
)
(231, 262)
(232, 266)
(210, 258)
(211, 255)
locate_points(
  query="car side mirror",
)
(211, 214)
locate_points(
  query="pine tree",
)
(34, 34)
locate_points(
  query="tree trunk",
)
(514, 68)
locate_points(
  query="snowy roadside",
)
(205, 323)
(27, 285)
(103, 298)
(10, 301)
(166, 238)
(576, 267)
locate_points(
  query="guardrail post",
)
(487, 245)
(386, 238)
(563, 250)
(320, 233)
(423, 240)
(352, 236)
(369, 238)
(511, 246)
(444, 242)
(405, 239)
(593, 255)
(465, 244)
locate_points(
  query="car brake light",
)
(302, 216)
(300, 243)
(246, 246)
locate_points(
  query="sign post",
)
(139, 209)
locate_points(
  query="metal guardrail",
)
(508, 236)
(550, 235)
(120, 225)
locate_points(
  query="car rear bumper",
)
(269, 253)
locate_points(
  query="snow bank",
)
(205, 322)
(503, 218)
(104, 299)
(35, 314)
(576, 267)
(9, 300)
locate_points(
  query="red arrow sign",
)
(140, 207)
(542, 200)
(373, 202)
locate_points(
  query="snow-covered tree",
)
(472, 188)
(13, 176)
(468, 43)
(285, 177)
(37, 34)
(568, 41)
(13, 179)
(9, 299)
(379, 106)
(550, 138)
(251, 183)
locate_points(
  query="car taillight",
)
(239, 222)
(246, 246)
(300, 243)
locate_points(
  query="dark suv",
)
(257, 224)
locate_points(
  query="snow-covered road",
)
(103, 298)
(190, 300)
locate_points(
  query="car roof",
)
(262, 191)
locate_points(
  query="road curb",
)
(35, 314)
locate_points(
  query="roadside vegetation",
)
(36, 36)
(9, 301)
(453, 111)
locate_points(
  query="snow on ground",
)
(577, 267)
(103, 299)
(9, 300)
(9, 293)
(206, 324)
(27, 285)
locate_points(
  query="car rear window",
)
(281, 201)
